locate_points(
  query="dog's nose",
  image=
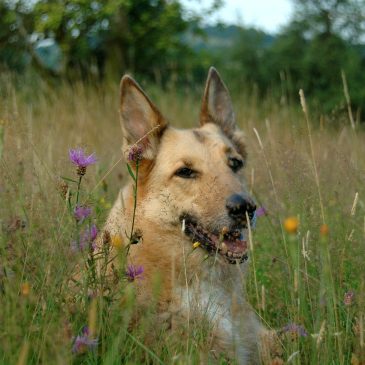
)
(238, 205)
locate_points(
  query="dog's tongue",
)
(238, 246)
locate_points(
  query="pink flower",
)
(349, 298)
(134, 272)
(79, 158)
(135, 153)
(261, 211)
(87, 239)
(83, 343)
(81, 213)
(295, 329)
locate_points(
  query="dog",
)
(191, 215)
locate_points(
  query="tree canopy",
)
(159, 38)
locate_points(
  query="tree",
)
(16, 22)
(318, 44)
(141, 36)
(344, 18)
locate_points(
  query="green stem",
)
(78, 190)
(134, 205)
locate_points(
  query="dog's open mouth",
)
(231, 244)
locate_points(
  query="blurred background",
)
(268, 48)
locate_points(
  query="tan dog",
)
(190, 190)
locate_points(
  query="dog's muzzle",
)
(229, 243)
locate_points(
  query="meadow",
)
(307, 283)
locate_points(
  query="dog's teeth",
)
(225, 230)
(183, 226)
(224, 247)
(229, 254)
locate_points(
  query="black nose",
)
(238, 205)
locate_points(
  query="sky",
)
(268, 15)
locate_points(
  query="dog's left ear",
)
(217, 108)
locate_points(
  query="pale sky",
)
(265, 14)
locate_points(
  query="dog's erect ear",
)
(142, 122)
(217, 108)
(217, 105)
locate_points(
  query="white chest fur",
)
(221, 301)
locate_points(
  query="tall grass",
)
(295, 168)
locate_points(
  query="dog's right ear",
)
(142, 123)
(217, 108)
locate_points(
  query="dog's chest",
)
(210, 300)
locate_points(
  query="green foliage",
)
(140, 36)
(159, 40)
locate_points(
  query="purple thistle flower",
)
(349, 298)
(261, 211)
(93, 232)
(82, 343)
(134, 272)
(135, 153)
(87, 238)
(81, 213)
(295, 329)
(78, 157)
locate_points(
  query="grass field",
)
(308, 284)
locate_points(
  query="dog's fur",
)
(193, 285)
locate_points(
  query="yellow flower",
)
(291, 225)
(324, 230)
(104, 203)
(25, 289)
(196, 245)
(117, 241)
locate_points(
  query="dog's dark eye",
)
(235, 164)
(186, 173)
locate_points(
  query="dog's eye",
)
(186, 173)
(235, 164)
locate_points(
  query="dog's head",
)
(191, 181)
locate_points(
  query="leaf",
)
(131, 172)
(68, 179)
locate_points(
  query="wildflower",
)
(63, 188)
(295, 330)
(261, 211)
(291, 225)
(93, 232)
(324, 230)
(87, 239)
(136, 237)
(349, 298)
(25, 289)
(81, 213)
(117, 241)
(134, 272)
(196, 245)
(84, 342)
(135, 153)
(106, 237)
(78, 157)
(104, 203)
